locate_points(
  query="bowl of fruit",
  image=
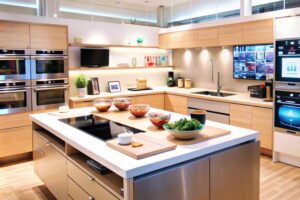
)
(122, 103)
(159, 119)
(184, 129)
(102, 105)
(139, 110)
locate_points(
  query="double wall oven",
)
(33, 80)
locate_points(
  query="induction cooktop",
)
(99, 127)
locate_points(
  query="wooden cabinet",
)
(258, 32)
(175, 103)
(48, 37)
(189, 38)
(170, 40)
(234, 174)
(154, 100)
(15, 141)
(230, 34)
(51, 166)
(256, 118)
(14, 120)
(14, 35)
(75, 192)
(80, 104)
(208, 37)
(241, 115)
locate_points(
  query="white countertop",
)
(126, 166)
(239, 98)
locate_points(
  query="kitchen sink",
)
(212, 93)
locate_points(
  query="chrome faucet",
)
(219, 85)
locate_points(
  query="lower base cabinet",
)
(175, 103)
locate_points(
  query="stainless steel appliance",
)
(50, 93)
(288, 61)
(14, 64)
(49, 64)
(15, 97)
(287, 111)
(216, 111)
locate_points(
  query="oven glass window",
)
(47, 97)
(12, 67)
(49, 66)
(13, 100)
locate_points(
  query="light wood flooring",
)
(18, 182)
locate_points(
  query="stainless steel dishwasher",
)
(216, 111)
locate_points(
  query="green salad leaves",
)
(184, 125)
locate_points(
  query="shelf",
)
(116, 68)
(111, 45)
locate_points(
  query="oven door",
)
(14, 68)
(49, 67)
(287, 112)
(48, 97)
(15, 100)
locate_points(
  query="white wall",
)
(287, 27)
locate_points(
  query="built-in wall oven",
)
(287, 111)
(49, 64)
(15, 97)
(14, 64)
(50, 93)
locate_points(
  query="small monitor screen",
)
(94, 57)
(290, 67)
(254, 62)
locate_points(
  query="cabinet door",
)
(208, 37)
(155, 100)
(189, 39)
(230, 34)
(48, 37)
(175, 103)
(234, 174)
(15, 120)
(241, 116)
(170, 40)
(52, 169)
(262, 121)
(15, 141)
(14, 35)
(258, 32)
(80, 104)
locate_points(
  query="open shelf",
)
(116, 68)
(111, 45)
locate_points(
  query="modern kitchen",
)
(149, 100)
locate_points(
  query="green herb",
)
(184, 125)
(81, 81)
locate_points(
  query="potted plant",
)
(139, 41)
(81, 83)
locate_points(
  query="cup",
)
(199, 115)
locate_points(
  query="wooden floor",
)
(18, 182)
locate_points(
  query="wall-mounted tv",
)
(253, 62)
(94, 57)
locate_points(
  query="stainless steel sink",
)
(212, 93)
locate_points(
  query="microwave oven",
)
(288, 61)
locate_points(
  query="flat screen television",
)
(94, 57)
(253, 62)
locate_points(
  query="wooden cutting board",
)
(151, 146)
(207, 133)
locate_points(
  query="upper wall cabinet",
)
(48, 37)
(258, 32)
(170, 40)
(190, 38)
(14, 35)
(230, 34)
(208, 37)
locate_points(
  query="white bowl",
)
(125, 138)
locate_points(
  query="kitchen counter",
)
(126, 166)
(238, 98)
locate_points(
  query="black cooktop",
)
(98, 127)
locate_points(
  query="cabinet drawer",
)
(14, 120)
(81, 104)
(88, 183)
(75, 192)
(15, 141)
(208, 105)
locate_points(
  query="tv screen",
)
(94, 57)
(253, 62)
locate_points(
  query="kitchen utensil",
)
(200, 115)
(139, 110)
(122, 103)
(102, 105)
(125, 138)
(159, 119)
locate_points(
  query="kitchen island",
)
(226, 167)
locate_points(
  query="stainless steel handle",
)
(11, 91)
(49, 58)
(14, 57)
(91, 198)
(50, 88)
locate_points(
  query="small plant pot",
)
(81, 92)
